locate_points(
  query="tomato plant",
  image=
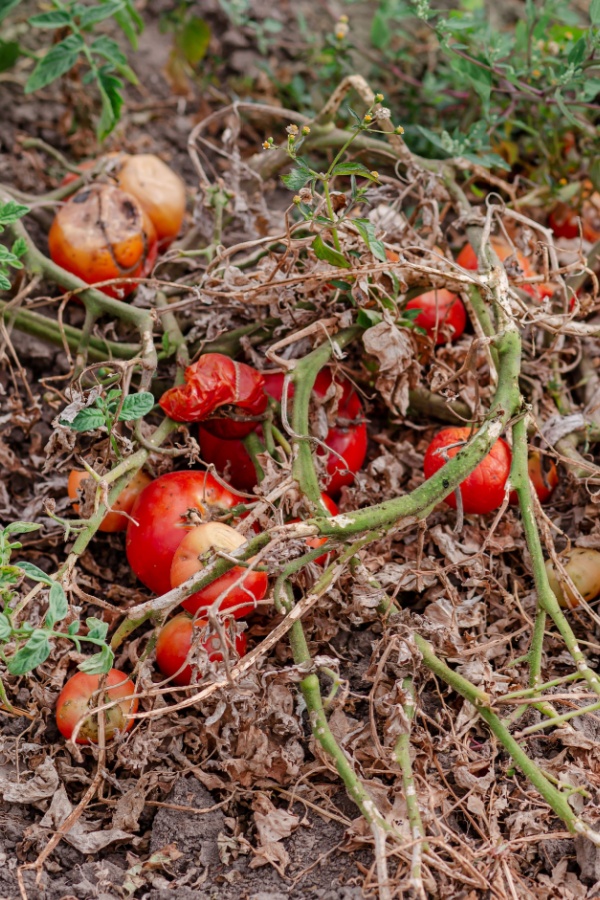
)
(543, 474)
(163, 511)
(483, 490)
(214, 381)
(174, 644)
(239, 599)
(467, 258)
(583, 568)
(113, 520)
(103, 233)
(77, 697)
(316, 542)
(443, 314)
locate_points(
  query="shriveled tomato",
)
(113, 520)
(158, 189)
(316, 542)
(174, 645)
(103, 233)
(163, 512)
(582, 565)
(564, 221)
(542, 474)
(238, 599)
(212, 382)
(467, 258)
(76, 698)
(483, 490)
(443, 314)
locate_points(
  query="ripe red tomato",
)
(467, 258)
(229, 457)
(74, 701)
(174, 644)
(162, 516)
(543, 475)
(443, 314)
(315, 542)
(564, 221)
(483, 490)
(112, 521)
(239, 599)
(103, 233)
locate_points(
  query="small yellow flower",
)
(266, 145)
(297, 199)
(536, 73)
(344, 20)
(305, 129)
(399, 129)
(562, 181)
(375, 174)
(368, 119)
(379, 97)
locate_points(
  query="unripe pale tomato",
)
(467, 258)
(483, 490)
(564, 221)
(315, 542)
(75, 700)
(442, 315)
(163, 513)
(112, 521)
(174, 644)
(239, 599)
(103, 233)
(583, 568)
(158, 189)
(543, 475)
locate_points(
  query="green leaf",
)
(329, 254)
(480, 78)
(11, 211)
(110, 50)
(366, 318)
(21, 528)
(297, 178)
(136, 406)
(112, 101)
(594, 173)
(34, 573)
(7, 6)
(55, 19)
(86, 420)
(5, 629)
(341, 285)
(353, 168)
(34, 653)
(5, 284)
(193, 40)
(97, 629)
(367, 233)
(58, 60)
(594, 12)
(564, 109)
(9, 54)
(130, 22)
(99, 664)
(94, 14)
(73, 628)
(58, 605)
(577, 52)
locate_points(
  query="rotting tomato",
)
(238, 599)
(159, 190)
(175, 642)
(75, 700)
(315, 542)
(467, 258)
(212, 382)
(163, 513)
(113, 520)
(443, 314)
(103, 233)
(483, 490)
(543, 474)
(582, 565)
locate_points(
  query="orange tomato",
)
(467, 258)
(113, 520)
(103, 233)
(158, 189)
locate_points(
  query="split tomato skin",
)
(161, 521)
(483, 490)
(543, 475)
(103, 233)
(112, 521)
(74, 701)
(175, 642)
(442, 315)
(239, 599)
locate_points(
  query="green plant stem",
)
(334, 234)
(254, 446)
(402, 754)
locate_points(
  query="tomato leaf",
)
(368, 317)
(34, 573)
(34, 653)
(97, 629)
(91, 15)
(86, 420)
(21, 527)
(5, 629)
(193, 40)
(99, 664)
(136, 406)
(57, 61)
(7, 6)
(58, 605)
(55, 19)
(329, 254)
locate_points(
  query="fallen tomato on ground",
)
(564, 221)
(77, 698)
(443, 315)
(483, 490)
(175, 642)
(163, 513)
(238, 600)
(103, 233)
(467, 258)
(113, 520)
